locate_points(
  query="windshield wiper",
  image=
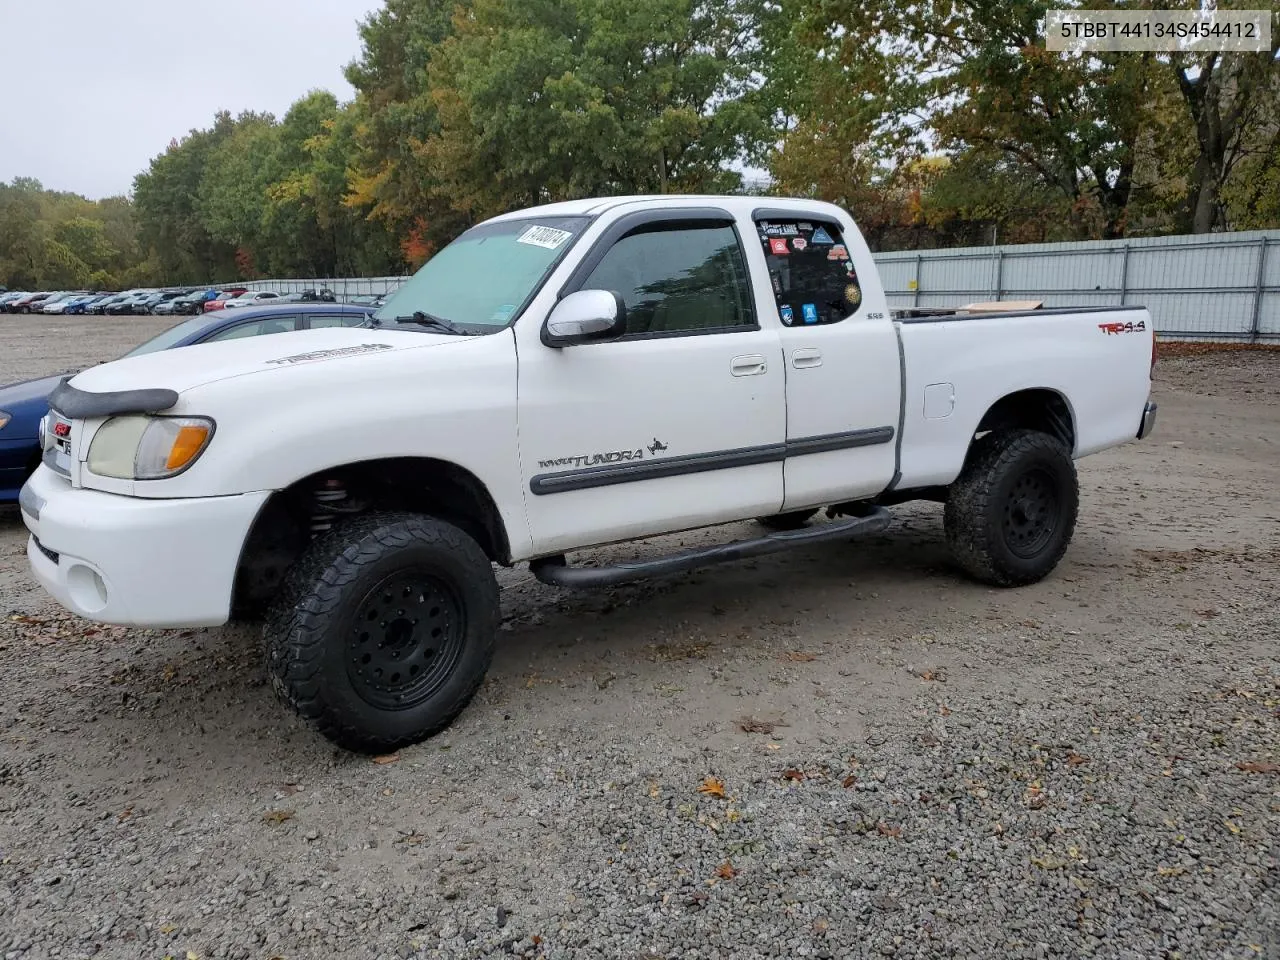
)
(423, 319)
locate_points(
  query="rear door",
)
(840, 349)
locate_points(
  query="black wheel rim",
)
(405, 640)
(1031, 513)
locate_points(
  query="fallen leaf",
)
(278, 817)
(848, 781)
(1074, 759)
(754, 725)
(821, 925)
(1171, 871)
(536, 939)
(1259, 766)
(169, 671)
(191, 955)
(1231, 826)
(169, 928)
(944, 710)
(125, 814)
(712, 787)
(798, 656)
(887, 831)
(792, 774)
(289, 789)
(655, 790)
(387, 758)
(726, 871)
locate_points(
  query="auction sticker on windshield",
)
(548, 237)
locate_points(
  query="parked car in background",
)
(10, 297)
(60, 306)
(128, 305)
(22, 405)
(163, 299)
(58, 302)
(31, 301)
(193, 302)
(221, 300)
(372, 301)
(253, 298)
(83, 305)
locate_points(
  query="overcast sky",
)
(91, 90)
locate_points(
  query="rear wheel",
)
(1011, 513)
(787, 521)
(384, 630)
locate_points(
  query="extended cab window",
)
(813, 278)
(678, 280)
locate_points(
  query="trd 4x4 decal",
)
(1130, 327)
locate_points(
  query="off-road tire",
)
(311, 632)
(1010, 514)
(793, 520)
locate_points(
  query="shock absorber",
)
(328, 499)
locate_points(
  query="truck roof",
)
(593, 206)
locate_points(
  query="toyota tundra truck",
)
(556, 379)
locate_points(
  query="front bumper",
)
(1148, 424)
(128, 560)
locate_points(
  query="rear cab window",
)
(810, 269)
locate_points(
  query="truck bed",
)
(956, 365)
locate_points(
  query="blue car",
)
(23, 405)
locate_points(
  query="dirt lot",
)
(1086, 767)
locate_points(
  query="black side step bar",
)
(556, 571)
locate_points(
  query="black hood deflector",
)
(82, 405)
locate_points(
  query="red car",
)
(220, 301)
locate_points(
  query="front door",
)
(844, 382)
(678, 423)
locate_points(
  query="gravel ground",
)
(929, 768)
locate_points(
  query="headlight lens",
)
(4, 418)
(148, 448)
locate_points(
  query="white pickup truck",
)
(557, 378)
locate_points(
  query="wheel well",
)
(1039, 409)
(292, 516)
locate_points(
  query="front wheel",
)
(384, 630)
(1011, 513)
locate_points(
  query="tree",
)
(975, 76)
(1232, 101)
(554, 99)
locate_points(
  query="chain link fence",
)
(1207, 287)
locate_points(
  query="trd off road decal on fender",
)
(599, 459)
(333, 354)
(1130, 327)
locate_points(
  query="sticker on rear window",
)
(548, 237)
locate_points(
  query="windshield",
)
(171, 336)
(481, 279)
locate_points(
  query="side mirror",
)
(585, 316)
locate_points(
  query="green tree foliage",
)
(937, 122)
(50, 239)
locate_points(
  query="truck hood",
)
(184, 368)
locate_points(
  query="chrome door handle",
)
(751, 365)
(806, 357)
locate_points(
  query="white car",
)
(554, 379)
(253, 298)
(57, 303)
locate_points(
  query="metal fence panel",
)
(1217, 286)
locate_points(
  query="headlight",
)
(4, 418)
(148, 448)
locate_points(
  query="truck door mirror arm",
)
(584, 317)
